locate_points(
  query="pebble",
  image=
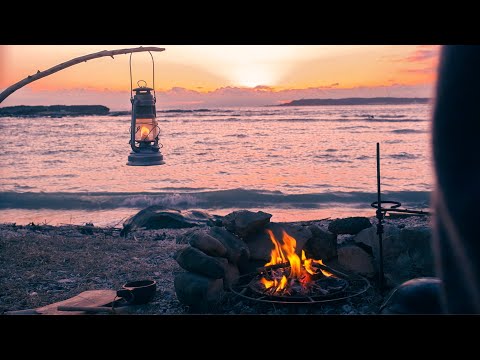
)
(64, 281)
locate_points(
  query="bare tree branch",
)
(40, 74)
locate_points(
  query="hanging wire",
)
(131, 84)
(153, 76)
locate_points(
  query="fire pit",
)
(292, 279)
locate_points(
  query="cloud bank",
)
(178, 97)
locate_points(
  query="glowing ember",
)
(300, 277)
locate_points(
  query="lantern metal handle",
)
(153, 77)
(139, 81)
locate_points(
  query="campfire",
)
(287, 274)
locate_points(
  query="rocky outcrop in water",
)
(358, 101)
(53, 111)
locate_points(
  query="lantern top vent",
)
(142, 88)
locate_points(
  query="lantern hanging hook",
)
(153, 77)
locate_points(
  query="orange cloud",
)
(425, 70)
(419, 65)
(423, 53)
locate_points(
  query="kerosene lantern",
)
(144, 130)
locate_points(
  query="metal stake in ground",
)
(379, 216)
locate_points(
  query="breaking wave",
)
(236, 198)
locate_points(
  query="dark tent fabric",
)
(456, 199)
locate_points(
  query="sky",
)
(200, 76)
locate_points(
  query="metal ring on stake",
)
(153, 77)
(395, 204)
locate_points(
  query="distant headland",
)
(358, 101)
(58, 111)
(53, 111)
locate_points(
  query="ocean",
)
(297, 163)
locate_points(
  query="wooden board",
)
(90, 298)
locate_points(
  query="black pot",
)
(138, 292)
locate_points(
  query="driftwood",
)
(41, 74)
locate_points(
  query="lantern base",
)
(145, 158)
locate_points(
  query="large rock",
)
(157, 217)
(322, 244)
(206, 243)
(194, 260)
(350, 225)
(201, 293)
(392, 244)
(244, 222)
(412, 257)
(353, 258)
(419, 245)
(407, 252)
(261, 245)
(232, 274)
(237, 251)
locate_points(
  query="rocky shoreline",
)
(42, 264)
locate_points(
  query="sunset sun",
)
(251, 76)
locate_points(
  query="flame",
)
(283, 284)
(307, 263)
(268, 284)
(276, 256)
(278, 285)
(289, 244)
(301, 268)
(324, 272)
(144, 132)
